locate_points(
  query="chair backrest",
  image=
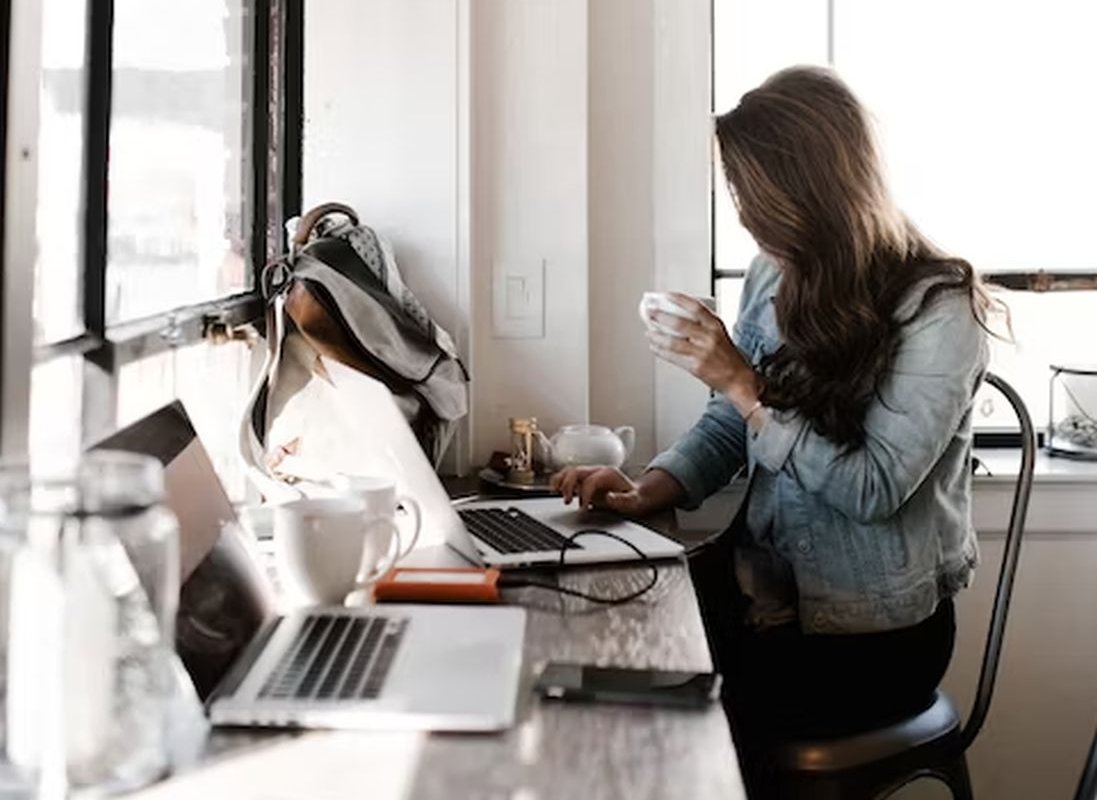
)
(1010, 556)
(1087, 786)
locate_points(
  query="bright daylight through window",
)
(988, 146)
(177, 209)
(179, 124)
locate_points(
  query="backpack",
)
(338, 294)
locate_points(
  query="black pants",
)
(781, 684)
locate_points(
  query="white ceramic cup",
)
(327, 547)
(379, 495)
(661, 301)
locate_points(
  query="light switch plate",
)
(518, 300)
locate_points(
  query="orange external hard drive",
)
(438, 585)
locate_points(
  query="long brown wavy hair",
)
(803, 166)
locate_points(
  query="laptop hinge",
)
(229, 684)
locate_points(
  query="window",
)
(983, 121)
(181, 113)
(61, 123)
(168, 138)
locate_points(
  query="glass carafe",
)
(101, 529)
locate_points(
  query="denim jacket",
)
(863, 541)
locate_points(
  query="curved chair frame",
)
(1087, 786)
(877, 763)
(992, 655)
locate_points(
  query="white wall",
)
(479, 134)
(650, 141)
(683, 147)
(380, 134)
(621, 215)
(379, 131)
(1044, 711)
(529, 188)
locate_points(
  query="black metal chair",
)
(876, 763)
(1087, 786)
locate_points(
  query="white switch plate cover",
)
(518, 300)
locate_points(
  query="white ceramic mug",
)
(661, 301)
(379, 495)
(328, 547)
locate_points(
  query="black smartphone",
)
(559, 681)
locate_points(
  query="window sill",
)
(1002, 463)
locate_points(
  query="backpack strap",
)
(309, 221)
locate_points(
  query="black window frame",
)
(5, 61)
(274, 194)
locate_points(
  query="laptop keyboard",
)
(509, 530)
(337, 657)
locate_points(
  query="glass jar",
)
(102, 529)
(31, 722)
(1072, 404)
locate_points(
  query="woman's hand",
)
(600, 487)
(704, 349)
(610, 489)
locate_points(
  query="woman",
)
(846, 391)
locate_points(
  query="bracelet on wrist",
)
(752, 411)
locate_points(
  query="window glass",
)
(212, 381)
(989, 154)
(728, 293)
(752, 39)
(1048, 328)
(179, 164)
(57, 270)
(987, 120)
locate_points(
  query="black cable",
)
(513, 582)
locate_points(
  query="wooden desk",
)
(556, 750)
(598, 751)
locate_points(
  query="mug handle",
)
(388, 559)
(412, 508)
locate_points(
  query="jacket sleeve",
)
(709, 455)
(938, 366)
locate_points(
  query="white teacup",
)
(328, 547)
(661, 301)
(379, 495)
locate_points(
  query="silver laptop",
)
(498, 533)
(446, 668)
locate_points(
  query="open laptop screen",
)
(225, 596)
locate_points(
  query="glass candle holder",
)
(523, 432)
(1072, 416)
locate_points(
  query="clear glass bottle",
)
(113, 545)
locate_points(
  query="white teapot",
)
(588, 445)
